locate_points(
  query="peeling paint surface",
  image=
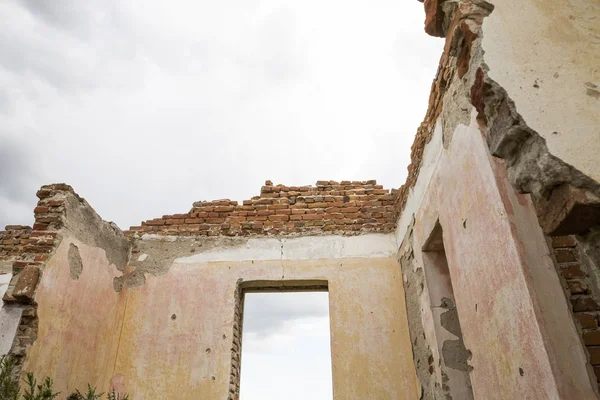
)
(79, 321)
(152, 340)
(371, 355)
(501, 289)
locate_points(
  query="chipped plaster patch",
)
(300, 248)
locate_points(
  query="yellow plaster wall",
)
(188, 356)
(171, 338)
(79, 322)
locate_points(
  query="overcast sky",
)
(144, 107)
(286, 347)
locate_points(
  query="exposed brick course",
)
(30, 248)
(347, 207)
(13, 240)
(585, 306)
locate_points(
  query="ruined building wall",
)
(60, 311)
(446, 288)
(188, 300)
(158, 314)
(496, 179)
(192, 267)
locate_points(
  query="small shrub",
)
(10, 389)
(89, 395)
(115, 396)
(33, 391)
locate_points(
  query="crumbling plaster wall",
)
(155, 315)
(79, 319)
(512, 310)
(546, 55)
(496, 251)
(62, 298)
(187, 301)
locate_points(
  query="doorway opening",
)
(286, 345)
(453, 356)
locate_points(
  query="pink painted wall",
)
(511, 307)
(172, 337)
(79, 321)
(189, 356)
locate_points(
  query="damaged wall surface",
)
(191, 306)
(506, 153)
(129, 311)
(478, 278)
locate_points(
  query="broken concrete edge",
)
(567, 200)
(61, 213)
(456, 53)
(414, 284)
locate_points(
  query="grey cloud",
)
(68, 15)
(17, 169)
(5, 102)
(266, 313)
(20, 177)
(60, 13)
(21, 55)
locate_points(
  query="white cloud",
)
(145, 107)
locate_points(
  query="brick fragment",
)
(587, 321)
(577, 286)
(573, 271)
(563, 241)
(565, 255)
(584, 303)
(594, 355)
(26, 284)
(591, 338)
(597, 373)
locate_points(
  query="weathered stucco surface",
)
(507, 151)
(171, 335)
(546, 55)
(190, 354)
(512, 310)
(79, 320)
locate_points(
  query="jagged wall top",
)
(346, 207)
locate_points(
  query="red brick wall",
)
(581, 293)
(334, 207)
(35, 245)
(13, 241)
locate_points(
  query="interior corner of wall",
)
(431, 156)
